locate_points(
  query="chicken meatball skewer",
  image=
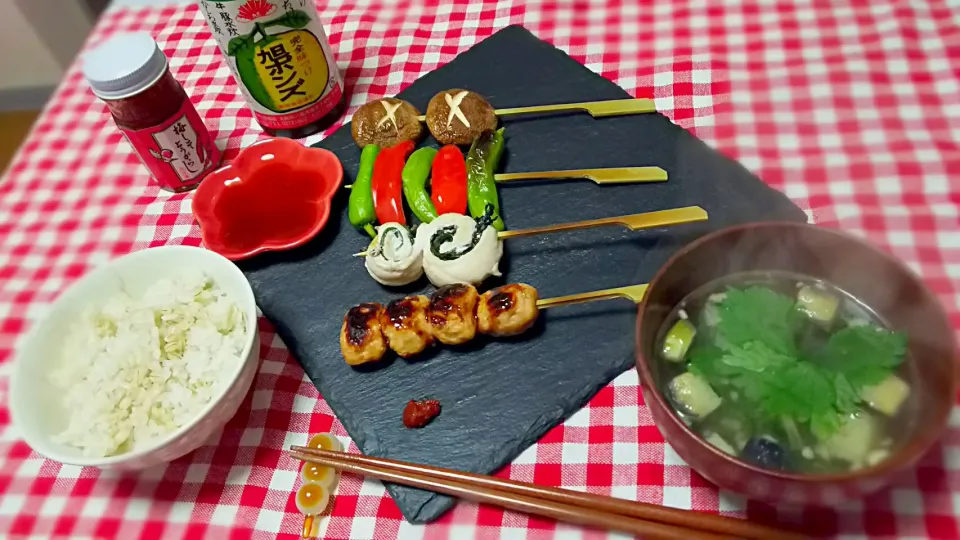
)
(508, 310)
(453, 316)
(409, 325)
(361, 336)
(512, 309)
(404, 324)
(452, 313)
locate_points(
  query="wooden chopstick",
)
(649, 520)
(531, 505)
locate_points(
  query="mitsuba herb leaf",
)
(705, 362)
(847, 397)
(826, 424)
(800, 391)
(759, 314)
(864, 355)
(755, 356)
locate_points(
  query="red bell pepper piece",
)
(387, 183)
(449, 181)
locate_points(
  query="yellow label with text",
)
(293, 69)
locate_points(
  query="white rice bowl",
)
(135, 369)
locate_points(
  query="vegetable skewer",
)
(415, 174)
(482, 159)
(361, 211)
(472, 178)
(601, 176)
(453, 315)
(387, 183)
(448, 183)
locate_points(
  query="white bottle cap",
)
(124, 65)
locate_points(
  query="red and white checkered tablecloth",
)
(852, 108)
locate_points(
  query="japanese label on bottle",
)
(178, 152)
(279, 56)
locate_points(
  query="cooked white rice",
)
(135, 369)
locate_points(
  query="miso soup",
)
(787, 372)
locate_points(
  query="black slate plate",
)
(500, 396)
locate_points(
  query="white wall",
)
(152, 2)
(25, 61)
(62, 25)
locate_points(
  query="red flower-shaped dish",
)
(275, 195)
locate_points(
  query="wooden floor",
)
(14, 126)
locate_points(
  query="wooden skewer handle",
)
(617, 175)
(632, 292)
(612, 175)
(633, 222)
(612, 107)
(307, 527)
(615, 107)
(649, 220)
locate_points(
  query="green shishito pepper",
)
(361, 211)
(482, 160)
(415, 174)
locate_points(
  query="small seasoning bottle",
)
(282, 62)
(131, 75)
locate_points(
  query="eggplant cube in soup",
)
(693, 395)
(854, 440)
(678, 340)
(721, 443)
(887, 396)
(819, 305)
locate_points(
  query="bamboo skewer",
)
(631, 292)
(597, 109)
(613, 175)
(648, 220)
(602, 176)
(649, 520)
(309, 524)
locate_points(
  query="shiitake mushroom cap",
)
(450, 129)
(372, 123)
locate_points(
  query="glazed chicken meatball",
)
(459, 116)
(405, 325)
(361, 336)
(508, 310)
(452, 313)
(386, 122)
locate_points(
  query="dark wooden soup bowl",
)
(876, 278)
